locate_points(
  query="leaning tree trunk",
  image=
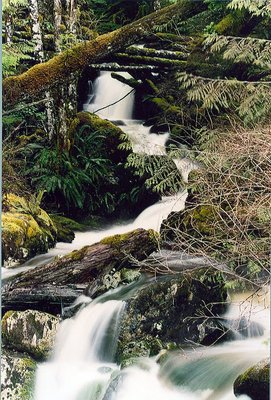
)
(42, 76)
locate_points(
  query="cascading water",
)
(82, 365)
(104, 92)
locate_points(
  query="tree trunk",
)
(36, 30)
(8, 29)
(57, 21)
(84, 265)
(39, 53)
(42, 76)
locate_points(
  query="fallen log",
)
(161, 53)
(162, 62)
(41, 76)
(83, 266)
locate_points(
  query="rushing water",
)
(82, 366)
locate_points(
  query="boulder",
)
(254, 382)
(171, 310)
(65, 228)
(29, 331)
(17, 376)
(27, 230)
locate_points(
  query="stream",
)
(82, 365)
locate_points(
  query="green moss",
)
(116, 240)
(230, 24)
(4, 323)
(25, 234)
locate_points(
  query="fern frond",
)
(255, 7)
(241, 49)
(250, 100)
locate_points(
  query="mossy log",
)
(59, 68)
(82, 266)
(149, 52)
(130, 82)
(162, 62)
(113, 66)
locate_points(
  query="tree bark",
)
(36, 30)
(8, 29)
(42, 76)
(85, 265)
(57, 23)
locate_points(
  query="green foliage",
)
(255, 7)
(13, 54)
(159, 172)
(250, 100)
(241, 49)
(70, 175)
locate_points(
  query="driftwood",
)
(74, 60)
(82, 266)
(48, 298)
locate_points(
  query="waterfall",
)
(108, 92)
(82, 365)
(83, 356)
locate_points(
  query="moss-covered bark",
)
(56, 70)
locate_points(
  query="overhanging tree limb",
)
(56, 70)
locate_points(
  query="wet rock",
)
(254, 382)
(112, 280)
(29, 331)
(26, 230)
(17, 376)
(172, 309)
(65, 228)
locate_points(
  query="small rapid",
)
(83, 365)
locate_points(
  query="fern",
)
(13, 54)
(255, 7)
(239, 49)
(160, 172)
(251, 100)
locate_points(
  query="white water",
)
(108, 90)
(82, 365)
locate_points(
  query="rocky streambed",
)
(165, 310)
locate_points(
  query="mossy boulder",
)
(26, 230)
(171, 310)
(66, 227)
(29, 331)
(17, 376)
(112, 135)
(254, 382)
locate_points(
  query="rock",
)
(26, 230)
(112, 280)
(65, 228)
(29, 331)
(17, 376)
(170, 311)
(254, 382)
(48, 298)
